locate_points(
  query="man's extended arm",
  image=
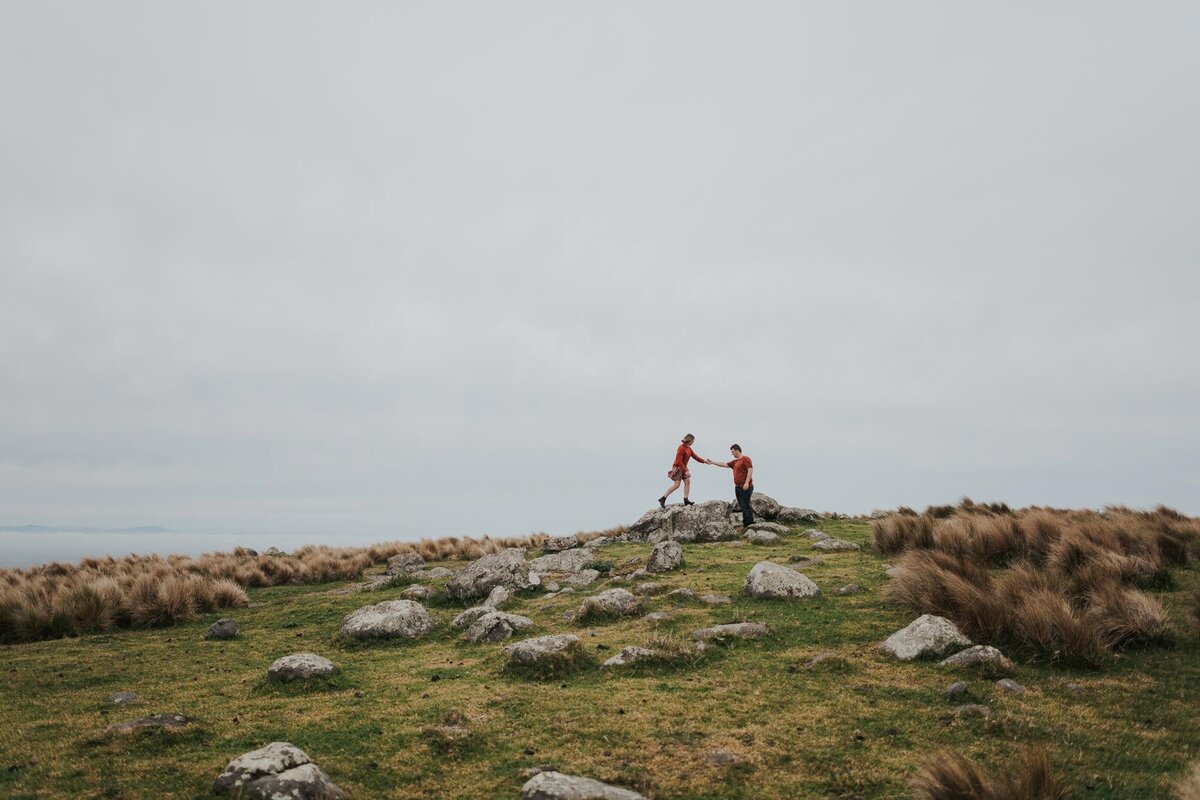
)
(720, 464)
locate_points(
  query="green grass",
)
(854, 725)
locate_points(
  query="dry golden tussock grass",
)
(948, 776)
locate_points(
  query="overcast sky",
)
(442, 268)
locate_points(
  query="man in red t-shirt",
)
(743, 481)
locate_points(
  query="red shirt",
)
(682, 455)
(741, 468)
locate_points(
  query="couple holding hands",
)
(743, 476)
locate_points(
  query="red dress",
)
(679, 469)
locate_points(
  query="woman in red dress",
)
(679, 471)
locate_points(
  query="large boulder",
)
(768, 580)
(389, 620)
(764, 507)
(666, 555)
(797, 516)
(756, 536)
(701, 522)
(608, 604)
(467, 618)
(557, 786)
(404, 563)
(498, 597)
(571, 560)
(508, 568)
(279, 770)
(928, 636)
(300, 667)
(496, 626)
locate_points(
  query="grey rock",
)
(850, 588)
(582, 578)
(557, 543)
(273, 551)
(1074, 688)
(508, 568)
(770, 527)
(557, 786)
(467, 618)
(835, 546)
(955, 690)
(496, 626)
(567, 561)
(122, 698)
(637, 573)
(629, 655)
(551, 586)
(225, 628)
(768, 580)
(168, 722)
(1009, 685)
(797, 516)
(279, 771)
(805, 561)
(892, 572)
(733, 630)
(764, 506)
(928, 636)
(437, 573)
(610, 603)
(417, 593)
(682, 594)
(756, 536)
(715, 599)
(701, 522)
(722, 758)
(657, 616)
(529, 652)
(816, 535)
(389, 620)
(666, 555)
(299, 667)
(404, 563)
(650, 588)
(980, 655)
(498, 597)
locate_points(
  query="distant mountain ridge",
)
(81, 529)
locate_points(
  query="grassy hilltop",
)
(814, 709)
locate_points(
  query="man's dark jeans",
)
(743, 498)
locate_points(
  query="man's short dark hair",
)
(737, 447)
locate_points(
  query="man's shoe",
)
(687, 502)
(662, 501)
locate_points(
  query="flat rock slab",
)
(557, 786)
(417, 593)
(300, 667)
(467, 618)
(769, 581)
(166, 722)
(559, 543)
(835, 546)
(733, 630)
(225, 628)
(394, 619)
(980, 655)
(1009, 685)
(715, 599)
(571, 560)
(435, 573)
(665, 556)
(848, 589)
(279, 771)
(496, 627)
(657, 616)
(756, 536)
(529, 652)
(928, 636)
(508, 568)
(682, 594)
(122, 698)
(817, 535)
(770, 527)
(583, 577)
(650, 588)
(797, 516)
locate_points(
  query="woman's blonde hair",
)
(688, 439)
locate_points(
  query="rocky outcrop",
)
(702, 522)
(770, 527)
(300, 667)
(557, 543)
(771, 581)
(279, 771)
(928, 636)
(666, 556)
(797, 516)
(389, 620)
(508, 568)
(557, 786)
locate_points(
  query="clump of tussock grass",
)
(948, 776)
(1067, 591)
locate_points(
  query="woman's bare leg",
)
(674, 486)
(687, 488)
